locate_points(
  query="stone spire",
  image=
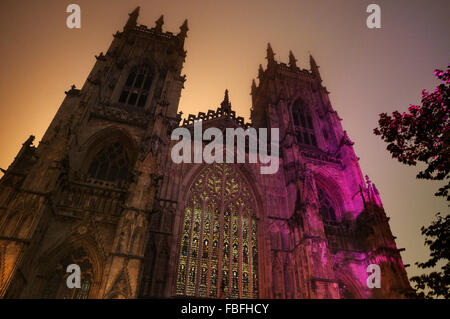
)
(314, 67)
(226, 105)
(292, 60)
(132, 20)
(183, 30)
(253, 86)
(159, 23)
(270, 55)
(260, 72)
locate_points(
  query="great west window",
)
(218, 254)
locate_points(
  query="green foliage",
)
(423, 135)
(435, 284)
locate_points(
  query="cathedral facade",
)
(101, 191)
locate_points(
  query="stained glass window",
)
(83, 292)
(218, 256)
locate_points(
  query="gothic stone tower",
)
(102, 191)
(84, 195)
(335, 221)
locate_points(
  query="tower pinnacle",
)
(253, 86)
(159, 23)
(270, 55)
(292, 60)
(226, 105)
(183, 29)
(260, 72)
(132, 20)
(314, 67)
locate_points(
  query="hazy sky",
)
(367, 71)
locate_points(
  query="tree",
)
(435, 284)
(423, 135)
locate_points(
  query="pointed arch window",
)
(303, 122)
(83, 292)
(218, 254)
(56, 287)
(111, 164)
(326, 208)
(136, 89)
(331, 227)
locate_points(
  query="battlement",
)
(224, 110)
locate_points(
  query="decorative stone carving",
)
(121, 288)
(131, 236)
(120, 115)
(91, 211)
(150, 144)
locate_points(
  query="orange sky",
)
(366, 71)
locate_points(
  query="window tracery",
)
(218, 252)
(56, 286)
(303, 124)
(136, 89)
(110, 164)
(326, 208)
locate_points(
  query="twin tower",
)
(100, 191)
